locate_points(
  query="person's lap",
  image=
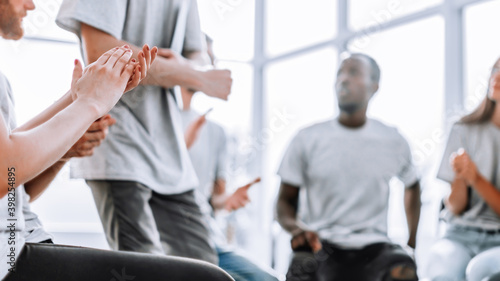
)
(373, 262)
(241, 268)
(44, 262)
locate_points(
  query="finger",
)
(461, 151)
(86, 153)
(256, 180)
(103, 59)
(77, 71)
(95, 136)
(115, 56)
(121, 61)
(453, 156)
(143, 64)
(147, 54)
(166, 53)
(87, 146)
(154, 53)
(134, 73)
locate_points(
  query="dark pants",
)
(45, 262)
(372, 263)
(135, 218)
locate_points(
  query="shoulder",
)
(316, 129)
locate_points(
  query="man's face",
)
(354, 85)
(12, 13)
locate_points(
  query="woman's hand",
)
(464, 167)
(114, 73)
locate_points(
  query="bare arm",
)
(84, 147)
(49, 141)
(288, 199)
(488, 192)
(466, 170)
(219, 196)
(412, 208)
(456, 202)
(168, 70)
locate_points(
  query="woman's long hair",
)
(484, 111)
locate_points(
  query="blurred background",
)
(435, 57)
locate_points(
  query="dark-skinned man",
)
(334, 189)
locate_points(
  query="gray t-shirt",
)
(344, 179)
(209, 157)
(147, 144)
(17, 217)
(482, 143)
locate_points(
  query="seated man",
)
(30, 155)
(341, 169)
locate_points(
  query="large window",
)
(482, 49)
(283, 55)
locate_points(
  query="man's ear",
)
(374, 88)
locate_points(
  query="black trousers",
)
(332, 263)
(45, 262)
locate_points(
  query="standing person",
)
(470, 248)
(207, 146)
(141, 178)
(30, 155)
(341, 168)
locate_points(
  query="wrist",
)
(91, 108)
(476, 180)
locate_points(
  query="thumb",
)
(166, 53)
(77, 72)
(313, 240)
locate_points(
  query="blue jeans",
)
(464, 254)
(241, 268)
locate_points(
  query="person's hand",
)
(94, 136)
(240, 197)
(145, 58)
(193, 130)
(305, 239)
(103, 82)
(172, 55)
(217, 83)
(464, 167)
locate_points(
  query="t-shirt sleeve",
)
(293, 164)
(108, 16)
(408, 172)
(221, 171)
(193, 39)
(455, 141)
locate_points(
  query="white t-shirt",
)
(146, 145)
(10, 216)
(344, 179)
(209, 157)
(482, 143)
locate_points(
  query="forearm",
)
(32, 152)
(218, 201)
(287, 217)
(456, 202)
(489, 193)
(412, 209)
(47, 114)
(39, 184)
(163, 72)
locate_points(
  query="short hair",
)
(374, 68)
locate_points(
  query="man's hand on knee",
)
(403, 272)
